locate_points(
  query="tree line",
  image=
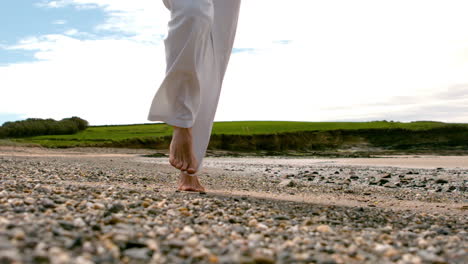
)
(37, 127)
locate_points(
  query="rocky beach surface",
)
(118, 206)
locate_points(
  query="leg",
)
(211, 75)
(198, 46)
(187, 50)
(226, 14)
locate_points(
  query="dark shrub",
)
(37, 127)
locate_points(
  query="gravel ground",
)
(83, 206)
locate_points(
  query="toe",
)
(191, 170)
(179, 164)
(172, 161)
(184, 166)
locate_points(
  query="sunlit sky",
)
(298, 60)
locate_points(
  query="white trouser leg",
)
(198, 47)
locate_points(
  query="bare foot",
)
(190, 183)
(181, 154)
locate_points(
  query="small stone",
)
(443, 231)
(253, 223)
(58, 256)
(246, 260)
(422, 243)
(323, 229)
(19, 234)
(83, 260)
(10, 256)
(255, 237)
(391, 252)
(88, 247)
(193, 241)
(112, 220)
(98, 206)
(116, 207)
(381, 248)
(383, 181)
(138, 253)
(281, 217)
(263, 259)
(441, 181)
(409, 258)
(188, 230)
(29, 200)
(152, 244)
(48, 203)
(213, 259)
(66, 225)
(4, 221)
(79, 222)
(287, 183)
(430, 257)
(176, 244)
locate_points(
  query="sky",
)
(297, 60)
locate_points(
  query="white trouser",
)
(198, 47)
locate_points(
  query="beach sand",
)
(117, 206)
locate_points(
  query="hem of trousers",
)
(170, 121)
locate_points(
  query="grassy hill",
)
(276, 136)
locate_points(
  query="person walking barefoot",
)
(198, 47)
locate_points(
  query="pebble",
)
(176, 244)
(188, 230)
(193, 241)
(116, 207)
(281, 217)
(98, 206)
(138, 253)
(430, 257)
(48, 203)
(253, 223)
(287, 183)
(79, 222)
(29, 200)
(323, 229)
(263, 259)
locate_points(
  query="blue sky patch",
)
(20, 19)
(15, 56)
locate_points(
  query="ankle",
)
(182, 129)
(188, 176)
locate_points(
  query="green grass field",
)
(99, 135)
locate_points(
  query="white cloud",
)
(344, 60)
(348, 54)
